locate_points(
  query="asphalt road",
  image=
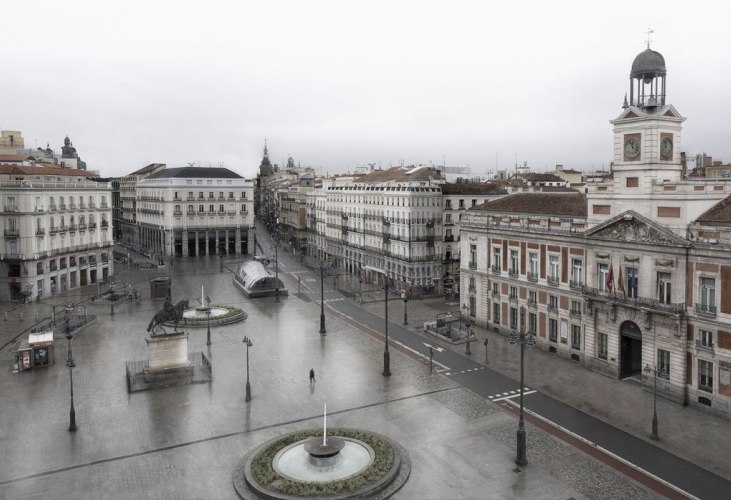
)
(669, 468)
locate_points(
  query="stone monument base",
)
(168, 352)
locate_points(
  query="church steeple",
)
(265, 168)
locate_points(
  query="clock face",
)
(666, 147)
(632, 147)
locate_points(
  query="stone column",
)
(238, 240)
(197, 245)
(185, 242)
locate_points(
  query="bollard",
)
(21, 316)
(5, 316)
(38, 317)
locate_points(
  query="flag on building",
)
(620, 283)
(610, 278)
(634, 283)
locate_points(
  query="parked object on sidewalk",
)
(36, 351)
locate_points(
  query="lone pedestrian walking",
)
(312, 375)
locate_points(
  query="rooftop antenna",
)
(649, 32)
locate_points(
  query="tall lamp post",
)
(70, 363)
(405, 298)
(276, 261)
(208, 321)
(248, 343)
(523, 339)
(661, 373)
(323, 266)
(386, 354)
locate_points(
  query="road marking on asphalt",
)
(425, 357)
(510, 396)
(605, 451)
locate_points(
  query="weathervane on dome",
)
(649, 32)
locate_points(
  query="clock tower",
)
(647, 132)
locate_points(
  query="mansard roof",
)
(472, 188)
(400, 174)
(43, 169)
(718, 213)
(635, 228)
(196, 173)
(148, 168)
(565, 204)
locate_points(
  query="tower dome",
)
(648, 64)
(647, 80)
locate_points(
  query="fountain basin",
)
(295, 462)
(199, 313)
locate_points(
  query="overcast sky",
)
(340, 84)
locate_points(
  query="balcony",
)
(72, 206)
(53, 207)
(532, 304)
(62, 206)
(496, 269)
(472, 265)
(92, 226)
(495, 294)
(700, 344)
(62, 229)
(513, 297)
(11, 208)
(82, 206)
(552, 308)
(72, 228)
(12, 233)
(513, 273)
(92, 205)
(620, 298)
(177, 212)
(103, 205)
(576, 313)
(53, 230)
(532, 277)
(705, 310)
(105, 224)
(449, 238)
(40, 231)
(386, 222)
(576, 284)
(82, 227)
(553, 280)
(190, 198)
(40, 209)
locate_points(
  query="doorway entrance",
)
(630, 350)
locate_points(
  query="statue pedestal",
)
(168, 351)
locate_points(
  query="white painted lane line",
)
(513, 396)
(604, 450)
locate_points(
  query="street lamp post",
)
(276, 261)
(653, 369)
(248, 343)
(523, 339)
(70, 363)
(208, 321)
(386, 354)
(322, 298)
(405, 298)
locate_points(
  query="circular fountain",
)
(339, 463)
(205, 314)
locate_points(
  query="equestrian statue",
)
(169, 313)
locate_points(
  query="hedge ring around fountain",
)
(347, 463)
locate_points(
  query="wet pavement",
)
(184, 442)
